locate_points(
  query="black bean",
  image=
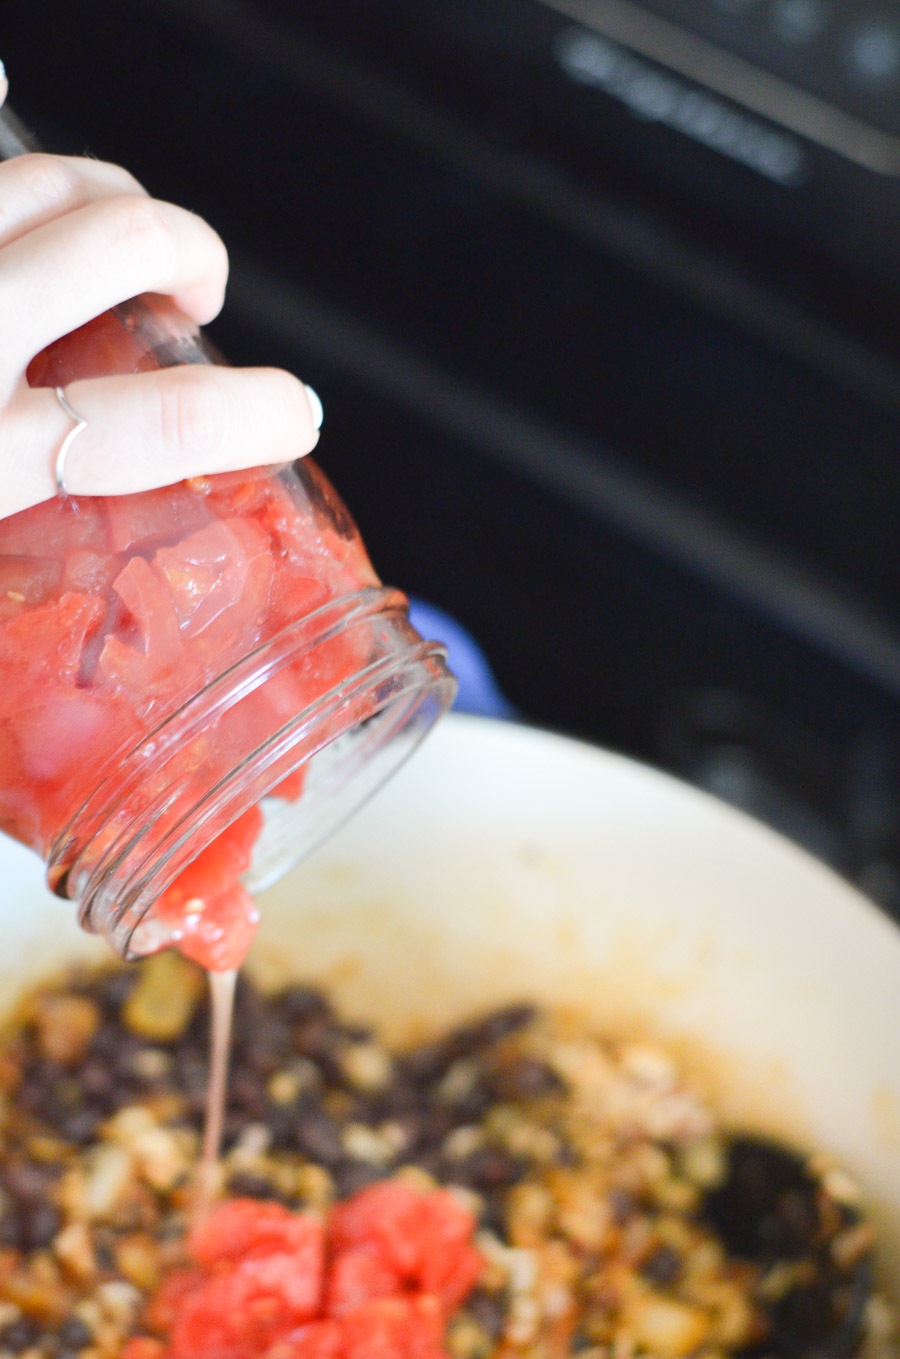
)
(301, 1003)
(264, 1048)
(802, 1320)
(425, 1130)
(97, 1081)
(318, 1137)
(400, 1099)
(527, 1078)
(623, 1205)
(487, 1168)
(488, 1310)
(26, 1181)
(122, 1063)
(356, 1108)
(323, 1044)
(436, 1124)
(116, 988)
(281, 1121)
(191, 1073)
(40, 1223)
(494, 1027)
(431, 1160)
(104, 1251)
(428, 1062)
(245, 1184)
(352, 1175)
(11, 1229)
(493, 1213)
(470, 1107)
(662, 1267)
(79, 1125)
(232, 1127)
(18, 1335)
(800, 1216)
(74, 1333)
(245, 1091)
(309, 1035)
(37, 1092)
(767, 1206)
(107, 1041)
(567, 1156)
(581, 1343)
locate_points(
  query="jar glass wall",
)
(172, 660)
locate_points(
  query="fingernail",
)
(315, 406)
(2, 70)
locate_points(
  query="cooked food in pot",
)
(579, 1197)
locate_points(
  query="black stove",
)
(602, 301)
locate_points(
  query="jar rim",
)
(114, 859)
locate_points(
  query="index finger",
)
(151, 429)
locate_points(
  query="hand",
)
(76, 238)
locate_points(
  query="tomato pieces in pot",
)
(271, 1284)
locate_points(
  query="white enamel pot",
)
(506, 863)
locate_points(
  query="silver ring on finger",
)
(80, 424)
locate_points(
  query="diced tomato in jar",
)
(219, 581)
(115, 611)
(213, 918)
(25, 582)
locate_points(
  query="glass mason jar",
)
(171, 660)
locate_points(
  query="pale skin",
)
(78, 236)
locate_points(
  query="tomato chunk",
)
(278, 1285)
(143, 1347)
(359, 1274)
(240, 1226)
(170, 1297)
(139, 522)
(219, 580)
(25, 582)
(223, 860)
(389, 1213)
(317, 1340)
(393, 1328)
(215, 931)
(214, 918)
(227, 1317)
(44, 647)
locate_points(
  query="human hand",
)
(78, 236)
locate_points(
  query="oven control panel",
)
(847, 54)
(822, 71)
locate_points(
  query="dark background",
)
(624, 406)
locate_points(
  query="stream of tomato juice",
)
(221, 995)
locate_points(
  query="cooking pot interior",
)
(506, 863)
